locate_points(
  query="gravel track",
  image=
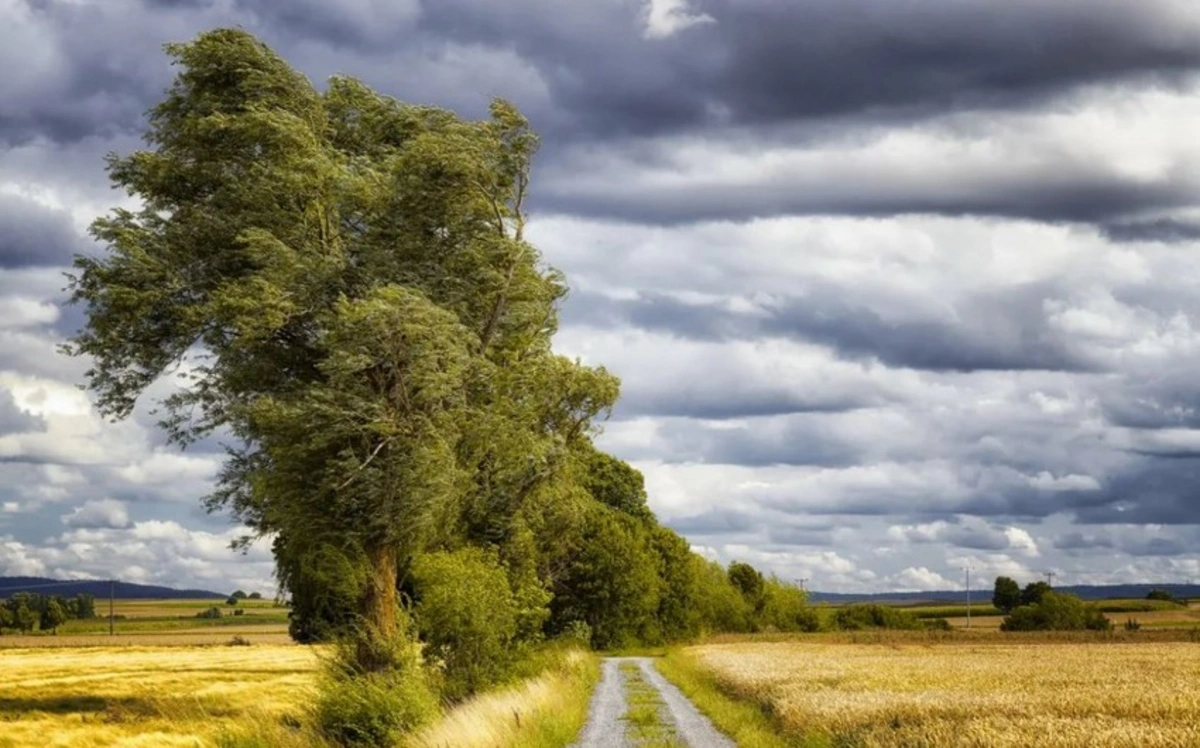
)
(606, 729)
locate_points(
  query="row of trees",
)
(363, 319)
(26, 611)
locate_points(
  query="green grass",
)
(644, 724)
(749, 724)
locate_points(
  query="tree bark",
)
(380, 610)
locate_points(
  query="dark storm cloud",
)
(1157, 490)
(1060, 192)
(33, 235)
(766, 61)
(1165, 230)
(989, 332)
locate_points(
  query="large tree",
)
(345, 283)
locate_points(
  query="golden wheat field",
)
(1081, 695)
(143, 696)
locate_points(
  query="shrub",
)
(232, 600)
(213, 612)
(937, 624)
(577, 631)
(467, 617)
(1057, 612)
(867, 616)
(239, 612)
(373, 709)
(354, 708)
(1132, 624)
(238, 641)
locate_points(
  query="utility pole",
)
(1050, 577)
(112, 583)
(802, 581)
(968, 570)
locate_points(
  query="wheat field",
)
(143, 697)
(1059, 695)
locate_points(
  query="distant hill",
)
(99, 588)
(1087, 592)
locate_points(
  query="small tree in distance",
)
(1034, 592)
(53, 616)
(232, 600)
(1006, 595)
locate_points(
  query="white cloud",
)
(102, 513)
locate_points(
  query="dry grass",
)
(274, 635)
(134, 696)
(541, 712)
(970, 693)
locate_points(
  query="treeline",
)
(26, 611)
(592, 564)
(1038, 607)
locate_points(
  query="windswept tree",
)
(345, 284)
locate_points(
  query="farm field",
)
(976, 691)
(165, 622)
(143, 696)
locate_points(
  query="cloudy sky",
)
(893, 288)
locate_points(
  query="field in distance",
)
(147, 696)
(165, 622)
(970, 692)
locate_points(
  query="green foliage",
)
(231, 600)
(719, 605)
(1006, 595)
(1034, 592)
(1164, 595)
(374, 708)
(7, 620)
(1132, 624)
(53, 615)
(1057, 611)
(210, 613)
(785, 608)
(467, 616)
(749, 581)
(371, 325)
(611, 581)
(255, 596)
(615, 483)
(868, 616)
(238, 595)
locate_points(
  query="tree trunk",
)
(380, 611)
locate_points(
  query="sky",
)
(894, 289)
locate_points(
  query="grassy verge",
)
(747, 722)
(644, 723)
(543, 711)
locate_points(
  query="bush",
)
(937, 624)
(232, 600)
(1132, 624)
(373, 709)
(238, 641)
(239, 612)
(354, 708)
(467, 617)
(213, 612)
(1057, 612)
(785, 608)
(869, 616)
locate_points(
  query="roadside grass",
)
(546, 710)
(748, 723)
(645, 725)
